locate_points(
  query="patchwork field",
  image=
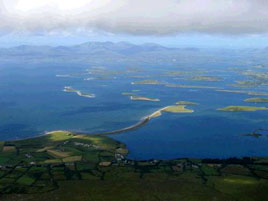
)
(65, 166)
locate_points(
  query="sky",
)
(176, 23)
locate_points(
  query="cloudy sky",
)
(205, 23)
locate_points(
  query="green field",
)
(65, 166)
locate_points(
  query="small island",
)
(78, 92)
(87, 95)
(170, 109)
(127, 94)
(185, 103)
(177, 109)
(189, 86)
(246, 84)
(142, 98)
(174, 73)
(146, 82)
(69, 89)
(206, 78)
(257, 133)
(257, 100)
(254, 93)
(241, 108)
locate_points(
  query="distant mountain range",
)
(120, 53)
(124, 48)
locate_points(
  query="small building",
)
(105, 163)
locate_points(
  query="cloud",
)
(137, 17)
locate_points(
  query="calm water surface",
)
(32, 101)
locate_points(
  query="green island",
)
(146, 82)
(142, 98)
(242, 108)
(246, 84)
(243, 92)
(257, 100)
(206, 78)
(177, 109)
(67, 166)
(170, 109)
(185, 103)
(189, 86)
(261, 77)
(127, 93)
(78, 92)
(174, 73)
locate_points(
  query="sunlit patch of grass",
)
(58, 154)
(243, 181)
(53, 161)
(25, 180)
(9, 148)
(44, 149)
(72, 159)
(59, 135)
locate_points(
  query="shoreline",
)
(135, 126)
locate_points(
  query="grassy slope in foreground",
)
(242, 108)
(95, 168)
(257, 100)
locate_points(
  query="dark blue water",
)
(32, 102)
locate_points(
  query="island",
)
(127, 93)
(189, 86)
(78, 92)
(257, 133)
(257, 100)
(185, 103)
(206, 78)
(246, 84)
(244, 92)
(242, 108)
(69, 89)
(146, 82)
(142, 98)
(177, 109)
(174, 73)
(170, 109)
(71, 166)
